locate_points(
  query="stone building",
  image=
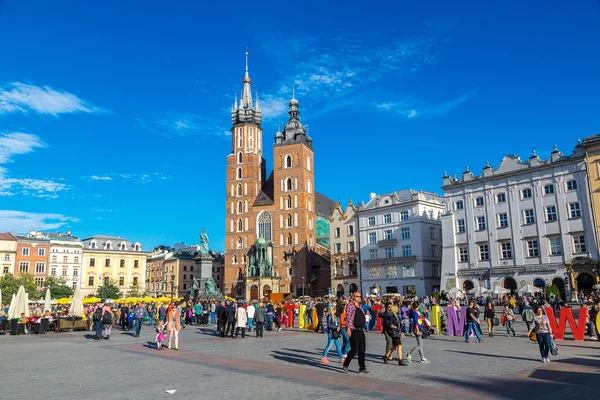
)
(8, 252)
(345, 256)
(525, 222)
(280, 207)
(32, 257)
(400, 243)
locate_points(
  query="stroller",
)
(428, 329)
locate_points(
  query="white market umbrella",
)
(21, 305)
(77, 303)
(47, 301)
(26, 304)
(529, 289)
(11, 309)
(0, 297)
(475, 291)
(499, 290)
(595, 287)
(455, 292)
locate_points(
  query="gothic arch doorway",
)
(585, 282)
(254, 292)
(467, 285)
(510, 284)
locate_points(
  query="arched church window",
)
(239, 189)
(240, 226)
(240, 137)
(289, 202)
(289, 239)
(240, 157)
(239, 173)
(288, 184)
(264, 225)
(240, 207)
(288, 221)
(288, 161)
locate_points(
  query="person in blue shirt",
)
(418, 332)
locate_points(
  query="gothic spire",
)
(246, 101)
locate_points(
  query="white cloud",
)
(411, 108)
(138, 177)
(100, 178)
(175, 124)
(17, 97)
(22, 222)
(14, 143)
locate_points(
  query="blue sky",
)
(114, 116)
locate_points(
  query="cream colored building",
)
(107, 258)
(8, 253)
(343, 231)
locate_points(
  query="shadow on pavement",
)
(298, 360)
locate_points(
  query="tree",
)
(134, 291)
(110, 291)
(57, 287)
(28, 282)
(553, 289)
(10, 285)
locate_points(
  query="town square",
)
(396, 200)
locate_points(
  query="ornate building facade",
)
(269, 218)
(345, 277)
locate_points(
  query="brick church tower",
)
(268, 219)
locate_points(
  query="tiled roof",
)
(7, 236)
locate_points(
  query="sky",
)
(115, 116)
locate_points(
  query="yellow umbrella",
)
(64, 300)
(90, 300)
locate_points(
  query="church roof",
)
(324, 205)
(266, 195)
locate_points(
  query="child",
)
(160, 336)
(367, 320)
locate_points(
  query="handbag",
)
(335, 334)
(497, 322)
(533, 336)
(553, 348)
(503, 318)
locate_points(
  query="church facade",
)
(271, 219)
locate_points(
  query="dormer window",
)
(122, 246)
(107, 245)
(93, 245)
(137, 247)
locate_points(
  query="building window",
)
(350, 230)
(25, 251)
(526, 193)
(75, 272)
(372, 237)
(528, 217)
(64, 271)
(388, 235)
(404, 216)
(121, 281)
(239, 189)
(54, 259)
(502, 220)
(92, 262)
(548, 189)
(374, 273)
(463, 254)
(479, 201)
(135, 281)
(459, 205)
(533, 248)
(40, 268)
(408, 271)
(387, 219)
(74, 285)
(288, 184)
(579, 244)
(433, 250)
(480, 223)
(24, 266)
(431, 233)
(373, 254)
(405, 232)
(41, 252)
(185, 267)
(351, 247)
(391, 271)
(240, 225)
(240, 157)
(39, 282)
(555, 246)
(406, 251)
(551, 213)
(53, 272)
(572, 185)
(371, 221)
(575, 210)
(289, 239)
(264, 225)
(484, 252)
(76, 260)
(122, 263)
(460, 225)
(338, 248)
(108, 246)
(136, 263)
(338, 232)
(65, 259)
(435, 270)
(91, 280)
(506, 250)
(501, 198)
(107, 262)
(184, 277)
(289, 221)
(389, 252)
(288, 203)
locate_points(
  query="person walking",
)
(173, 327)
(509, 316)
(320, 307)
(391, 327)
(356, 322)
(230, 320)
(107, 321)
(139, 313)
(260, 317)
(527, 314)
(418, 332)
(543, 331)
(250, 311)
(213, 312)
(98, 313)
(389, 346)
(334, 327)
(489, 314)
(241, 320)
(270, 312)
(123, 317)
(473, 324)
(197, 311)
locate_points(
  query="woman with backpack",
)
(107, 321)
(334, 327)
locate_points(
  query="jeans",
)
(509, 327)
(472, 327)
(346, 342)
(330, 342)
(99, 328)
(152, 315)
(544, 340)
(250, 324)
(162, 318)
(357, 346)
(137, 323)
(213, 317)
(419, 347)
(269, 323)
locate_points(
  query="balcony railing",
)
(387, 242)
(392, 260)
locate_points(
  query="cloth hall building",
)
(277, 232)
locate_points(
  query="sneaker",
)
(408, 357)
(547, 360)
(482, 341)
(425, 361)
(364, 371)
(402, 363)
(543, 359)
(345, 369)
(467, 341)
(343, 360)
(324, 360)
(279, 330)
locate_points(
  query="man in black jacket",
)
(222, 318)
(260, 317)
(230, 319)
(320, 307)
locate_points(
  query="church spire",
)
(246, 100)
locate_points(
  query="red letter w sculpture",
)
(578, 330)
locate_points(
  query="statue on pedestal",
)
(210, 287)
(204, 243)
(193, 290)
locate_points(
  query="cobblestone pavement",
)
(286, 364)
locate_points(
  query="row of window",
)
(526, 193)
(387, 218)
(574, 210)
(555, 248)
(136, 263)
(338, 247)
(41, 251)
(240, 138)
(391, 271)
(120, 281)
(349, 229)
(122, 246)
(40, 267)
(406, 251)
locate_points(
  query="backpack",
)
(107, 318)
(98, 314)
(528, 315)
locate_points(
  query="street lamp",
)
(303, 278)
(172, 285)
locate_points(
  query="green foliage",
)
(57, 287)
(10, 285)
(553, 289)
(110, 291)
(134, 291)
